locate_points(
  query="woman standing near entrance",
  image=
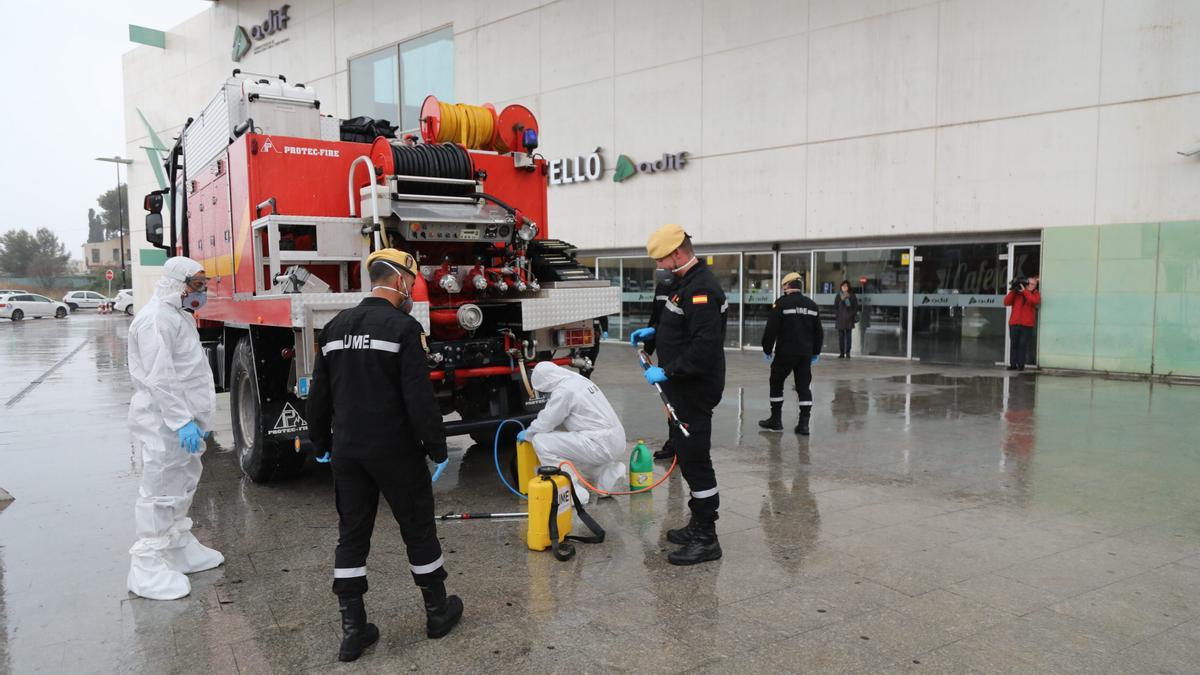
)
(846, 309)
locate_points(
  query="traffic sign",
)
(108, 275)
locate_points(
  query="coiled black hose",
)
(443, 160)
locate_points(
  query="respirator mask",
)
(195, 298)
(406, 302)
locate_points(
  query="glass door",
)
(1024, 260)
(761, 287)
(958, 303)
(882, 279)
(797, 261)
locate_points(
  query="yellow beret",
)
(665, 240)
(790, 277)
(398, 258)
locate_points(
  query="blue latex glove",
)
(190, 437)
(767, 358)
(325, 458)
(521, 435)
(816, 358)
(437, 473)
(654, 374)
(604, 335)
(641, 335)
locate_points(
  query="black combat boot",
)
(441, 612)
(775, 421)
(702, 547)
(666, 452)
(357, 634)
(682, 535)
(802, 426)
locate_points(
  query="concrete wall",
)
(1122, 298)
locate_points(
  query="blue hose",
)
(496, 456)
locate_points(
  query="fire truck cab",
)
(282, 212)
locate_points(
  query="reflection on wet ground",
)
(940, 519)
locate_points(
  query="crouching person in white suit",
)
(591, 436)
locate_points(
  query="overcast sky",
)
(61, 62)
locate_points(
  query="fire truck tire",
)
(257, 456)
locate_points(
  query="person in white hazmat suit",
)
(169, 417)
(593, 440)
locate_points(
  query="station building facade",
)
(927, 152)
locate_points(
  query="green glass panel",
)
(1059, 308)
(1180, 240)
(1124, 348)
(1068, 243)
(1127, 276)
(1068, 276)
(1071, 339)
(1177, 350)
(1129, 240)
(1125, 309)
(1046, 360)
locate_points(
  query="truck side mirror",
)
(153, 203)
(154, 228)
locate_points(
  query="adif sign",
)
(576, 169)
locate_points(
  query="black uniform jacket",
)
(660, 299)
(371, 386)
(690, 334)
(794, 327)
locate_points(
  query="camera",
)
(1018, 284)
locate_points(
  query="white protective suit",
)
(594, 440)
(173, 385)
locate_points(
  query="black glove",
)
(436, 451)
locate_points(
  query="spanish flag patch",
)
(699, 299)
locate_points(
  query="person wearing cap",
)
(372, 406)
(791, 343)
(690, 340)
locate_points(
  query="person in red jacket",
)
(1024, 299)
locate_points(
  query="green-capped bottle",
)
(641, 467)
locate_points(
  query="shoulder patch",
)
(700, 299)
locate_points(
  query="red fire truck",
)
(282, 213)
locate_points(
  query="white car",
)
(22, 305)
(124, 301)
(83, 300)
(11, 291)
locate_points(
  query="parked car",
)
(21, 305)
(11, 291)
(83, 300)
(124, 301)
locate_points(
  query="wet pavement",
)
(938, 519)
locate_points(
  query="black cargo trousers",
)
(403, 480)
(694, 452)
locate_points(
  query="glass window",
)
(116, 254)
(761, 292)
(958, 303)
(880, 278)
(95, 255)
(797, 261)
(610, 269)
(426, 67)
(637, 291)
(391, 83)
(728, 269)
(375, 85)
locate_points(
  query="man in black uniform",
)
(792, 343)
(690, 339)
(372, 403)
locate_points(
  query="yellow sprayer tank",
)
(542, 491)
(527, 465)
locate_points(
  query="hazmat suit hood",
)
(173, 282)
(548, 376)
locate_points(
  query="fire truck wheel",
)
(257, 456)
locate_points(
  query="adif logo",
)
(241, 43)
(626, 167)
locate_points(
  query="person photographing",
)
(1024, 299)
